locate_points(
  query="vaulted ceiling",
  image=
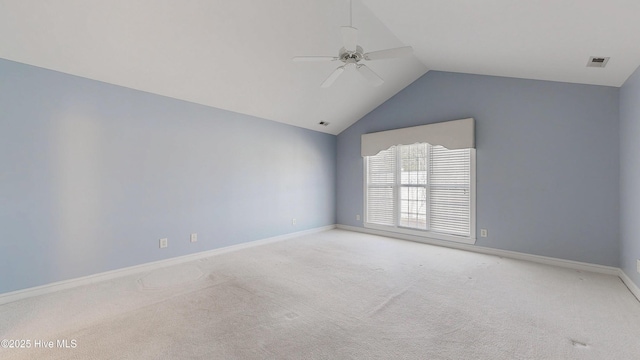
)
(236, 54)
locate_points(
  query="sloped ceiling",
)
(236, 55)
(531, 39)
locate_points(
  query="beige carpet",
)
(336, 295)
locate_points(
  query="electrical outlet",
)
(194, 237)
(638, 265)
(293, 221)
(484, 233)
(164, 243)
(358, 217)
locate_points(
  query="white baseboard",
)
(630, 284)
(90, 279)
(575, 265)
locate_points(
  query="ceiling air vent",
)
(323, 123)
(597, 61)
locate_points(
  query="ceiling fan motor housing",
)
(351, 57)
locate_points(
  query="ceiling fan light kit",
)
(351, 54)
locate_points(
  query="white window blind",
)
(420, 187)
(450, 191)
(381, 187)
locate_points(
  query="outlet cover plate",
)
(194, 237)
(638, 265)
(483, 233)
(164, 242)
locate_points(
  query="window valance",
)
(455, 134)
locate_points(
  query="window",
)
(422, 189)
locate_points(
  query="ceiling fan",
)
(351, 54)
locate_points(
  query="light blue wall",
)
(547, 160)
(92, 175)
(630, 176)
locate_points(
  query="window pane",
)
(413, 160)
(413, 207)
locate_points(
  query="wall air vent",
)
(597, 61)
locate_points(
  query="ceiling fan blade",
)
(334, 75)
(389, 53)
(349, 37)
(368, 74)
(314, 58)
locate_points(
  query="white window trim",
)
(426, 233)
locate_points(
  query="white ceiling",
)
(236, 54)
